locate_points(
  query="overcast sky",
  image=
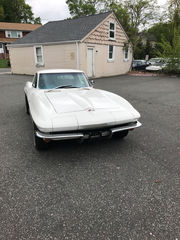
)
(51, 10)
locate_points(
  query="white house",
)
(96, 44)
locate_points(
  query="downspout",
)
(77, 55)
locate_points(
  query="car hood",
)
(154, 68)
(82, 99)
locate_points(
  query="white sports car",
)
(64, 105)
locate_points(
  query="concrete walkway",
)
(5, 70)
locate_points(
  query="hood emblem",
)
(91, 109)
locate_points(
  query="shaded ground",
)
(100, 190)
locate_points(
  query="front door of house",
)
(90, 62)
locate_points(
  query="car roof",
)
(59, 71)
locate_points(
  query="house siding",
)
(22, 60)
(64, 55)
(60, 56)
(99, 41)
(101, 34)
(102, 66)
(2, 34)
(55, 56)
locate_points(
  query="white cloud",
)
(49, 10)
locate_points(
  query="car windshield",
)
(154, 60)
(62, 80)
(160, 62)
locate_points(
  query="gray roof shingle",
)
(64, 30)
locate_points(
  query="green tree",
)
(123, 16)
(27, 15)
(141, 13)
(161, 28)
(169, 45)
(132, 14)
(16, 11)
(79, 8)
(139, 52)
(37, 20)
(1, 13)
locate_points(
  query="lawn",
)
(3, 63)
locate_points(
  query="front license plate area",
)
(95, 135)
(98, 134)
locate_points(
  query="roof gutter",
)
(43, 44)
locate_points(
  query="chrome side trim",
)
(118, 129)
(59, 136)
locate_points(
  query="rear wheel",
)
(39, 143)
(121, 134)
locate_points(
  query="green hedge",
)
(3, 63)
(173, 66)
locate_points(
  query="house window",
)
(126, 54)
(112, 31)
(13, 34)
(39, 55)
(111, 53)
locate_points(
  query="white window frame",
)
(126, 59)
(35, 55)
(113, 55)
(111, 30)
(7, 33)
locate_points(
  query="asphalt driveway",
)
(102, 190)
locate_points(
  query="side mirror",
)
(92, 82)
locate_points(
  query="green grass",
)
(3, 63)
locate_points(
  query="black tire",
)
(26, 105)
(121, 134)
(39, 143)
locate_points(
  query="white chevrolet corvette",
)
(64, 105)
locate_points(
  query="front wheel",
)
(39, 143)
(121, 134)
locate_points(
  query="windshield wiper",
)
(61, 86)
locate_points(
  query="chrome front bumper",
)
(83, 136)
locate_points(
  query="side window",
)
(112, 30)
(34, 84)
(13, 34)
(39, 59)
(126, 54)
(111, 52)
